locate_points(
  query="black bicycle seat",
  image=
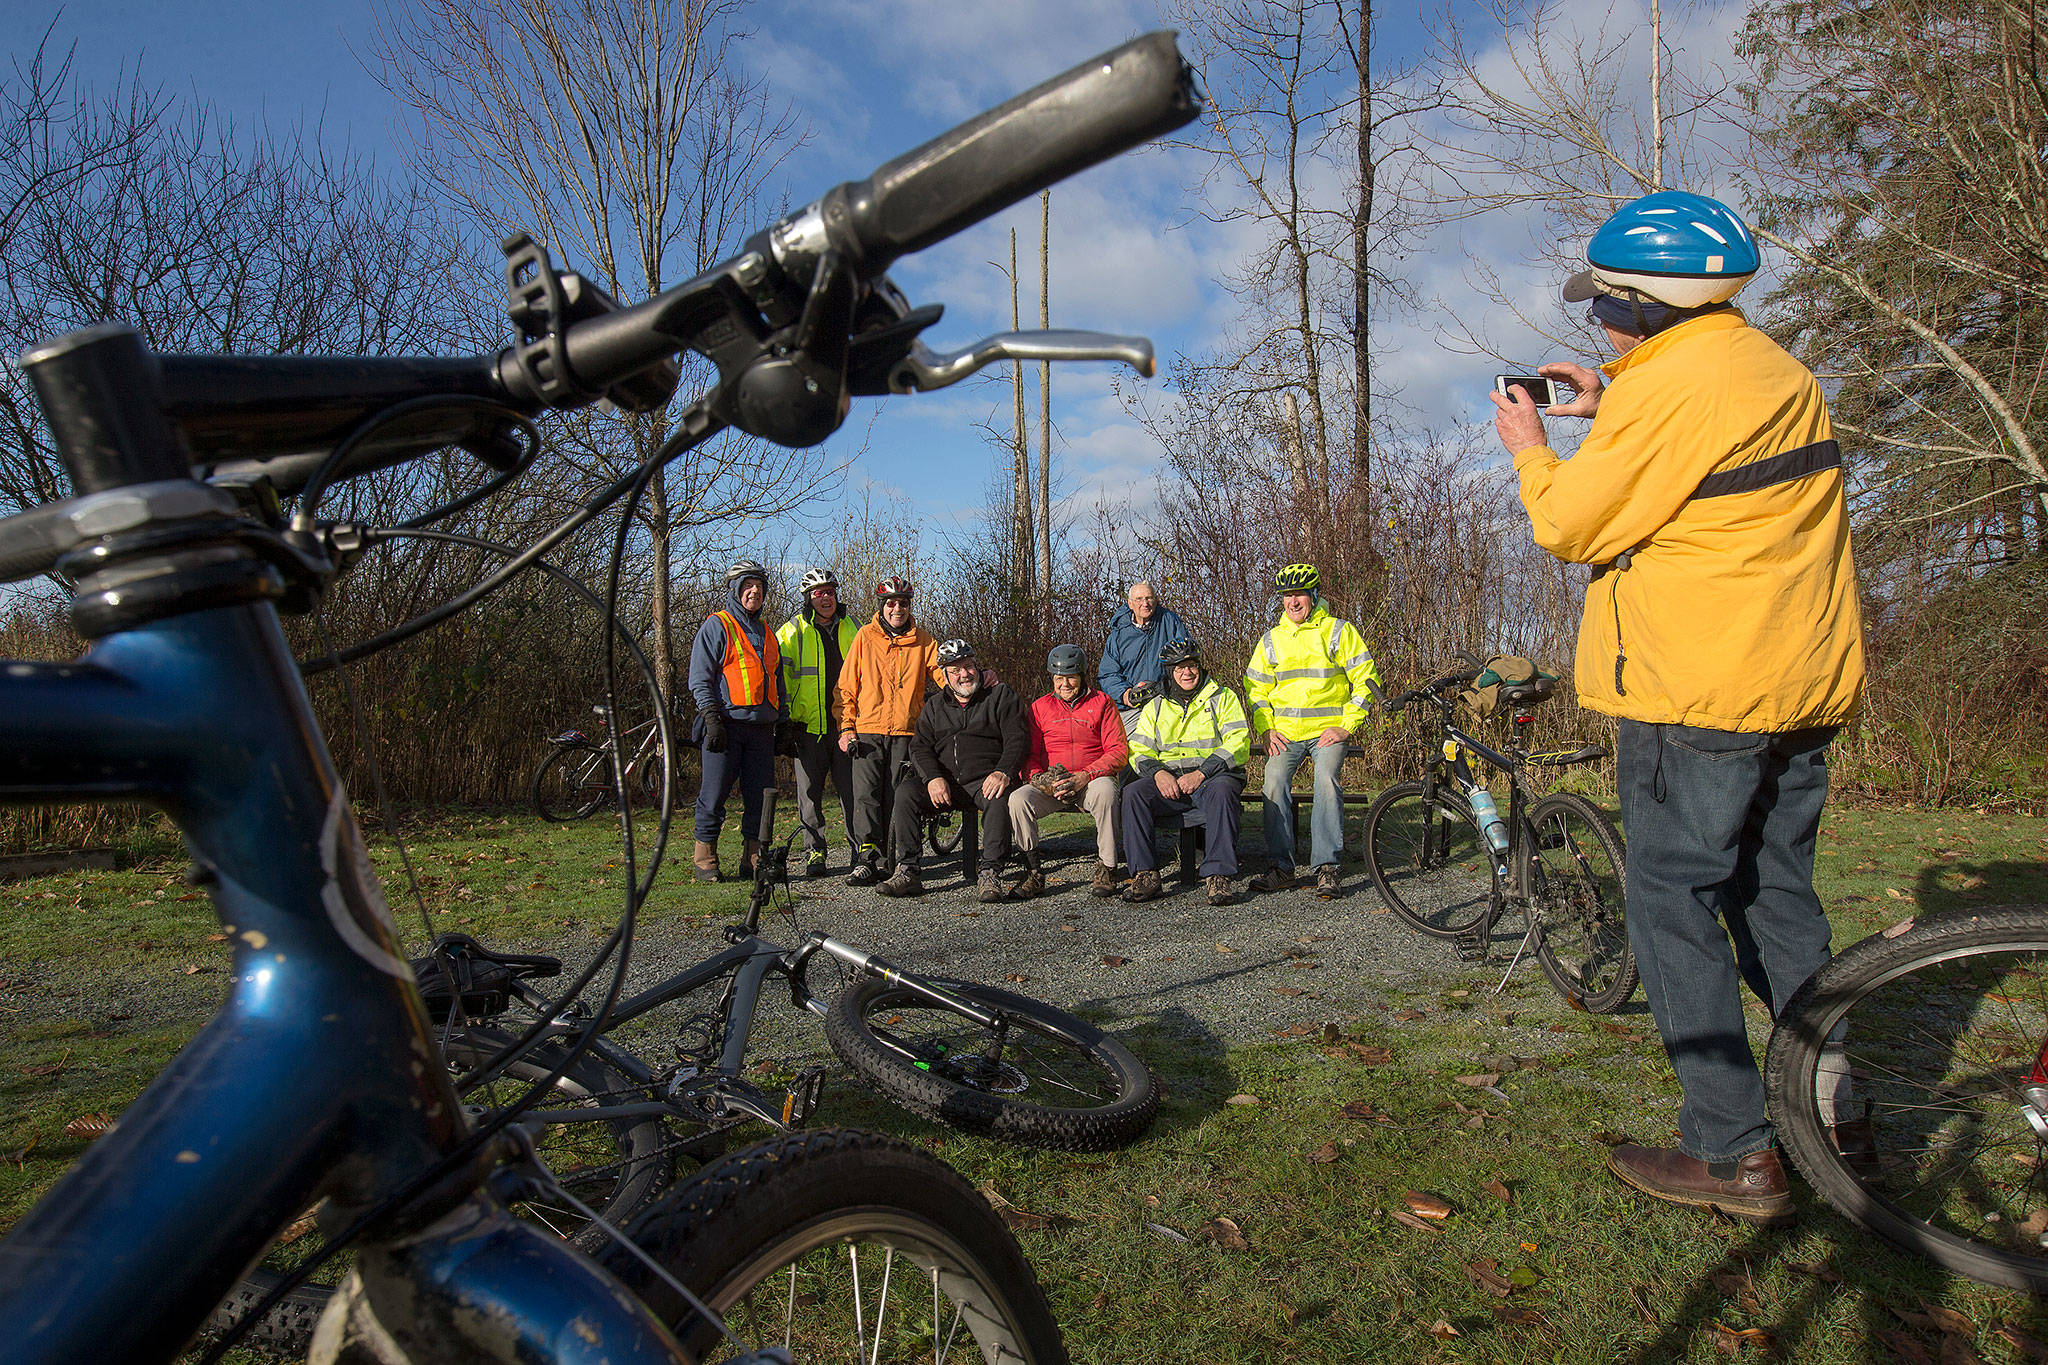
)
(1537, 689)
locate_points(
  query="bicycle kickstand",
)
(1520, 949)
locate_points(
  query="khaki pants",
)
(1028, 803)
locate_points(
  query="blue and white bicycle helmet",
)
(1681, 249)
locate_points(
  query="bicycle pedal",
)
(1472, 947)
(802, 1100)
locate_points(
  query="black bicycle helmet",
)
(1297, 578)
(1179, 650)
(747, 568)
(892, 586)
(1064, 661)
(955, 652)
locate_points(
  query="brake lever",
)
(923, 369)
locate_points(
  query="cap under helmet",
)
(955, 651)
(1678, 248)
(1064, 661)
(1297, 578)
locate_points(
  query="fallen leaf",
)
(216, 938)
(1819, 1270)
(1152, 1201)
(1904, 1347)
(1325, 1154)
(1609, 1139)
(1108, 961)
(1486, 1274)
(1618, 1030)
(993, 1195)
(1443, 1331)
(1360, 1110)
(1481, 1081)
(1070, 928)
(1523, 1277)
(1332, 1034)
(192, 969)
(89, 1126)
(2034, 1224)
(1024, 1220)
(1168, 1233)
(1738, 1288)
(1305, 966)
(1731, 1341)
(1224, 1233)
(1511, 1316)
(1426, 1205)
(1364, 1053)
(1498, 1191)
(298, 1228)
(1895, 893)
(2021, 1342)
(1225, 948)
(1289, 990)
(1408, 1016)
(1296, 1031)
(1459, 995)
(1956, 1351)
(1409, 1220)
(1242, 1099)
(1016, 976)
(1950, 1321)
(1560, 1028)
(1901, 927)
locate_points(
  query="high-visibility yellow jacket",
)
(1303, 679)
(1711, 484)
(1208, 732)
(803, 669)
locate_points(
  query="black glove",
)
(785, 738)
(714, 732)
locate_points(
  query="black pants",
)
(1221, 801)
(914, 805)
(875, 761)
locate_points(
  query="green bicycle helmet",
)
(1297, 578)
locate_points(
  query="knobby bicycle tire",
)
(1572, 879)
(772, 1239)
(631, 1154)
(1059, 1082)
(1429, 862)
(1935, 1031)
(558, 790)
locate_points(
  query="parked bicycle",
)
(318, 1081)
(1908, 1079)
(576, 776)
(1450, 865)
(982, 1060)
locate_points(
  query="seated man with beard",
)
(969, 744)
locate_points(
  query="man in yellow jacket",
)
(1307, 682)
(1188, 747)
(814, 645)
(1722, 627)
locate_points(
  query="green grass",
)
(1325, 1273)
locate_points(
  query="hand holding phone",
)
(1542, 390)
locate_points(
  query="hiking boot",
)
(863, 874)
(1143, 886)
(750, 855)
(706, 859)
(1277, 878)
(1752, 1188)
(989, 887)
(1219, 890)
(1104, 883)
(1032, 887)
(814, 865)
(1328, 883)
(903, 882)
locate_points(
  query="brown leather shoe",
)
(1104, 883)
(1032, 887)
(1752, 1189)
(1219, 890)
(1143, 886)
(1277, 878)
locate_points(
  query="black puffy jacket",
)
(966, 741)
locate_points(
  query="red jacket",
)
(1086, 737)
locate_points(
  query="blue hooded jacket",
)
(1131, 653)
(707, 665)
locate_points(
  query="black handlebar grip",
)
(31, 542)
(1111, 104)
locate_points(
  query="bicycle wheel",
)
(1571, 881)
(943, 831)
(616, 1166)
(1047, 1080)
(1931, 1036)
(841, 1246)
(1429, 862)
(570, 783)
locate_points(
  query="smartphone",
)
(1545, 391)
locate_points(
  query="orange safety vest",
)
(747, 673)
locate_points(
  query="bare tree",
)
(1044, 400)
(625, 134)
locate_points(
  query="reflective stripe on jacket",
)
(1210, 732)
(884, 679)
(803, 668)
(750, 678)
(1711, 472)
(713, 678)
(1305, 678)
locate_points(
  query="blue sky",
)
(872, 78)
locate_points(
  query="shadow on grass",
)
(1965, 884)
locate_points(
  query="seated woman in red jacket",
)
(1077, 749)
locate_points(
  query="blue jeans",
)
(749, 760)
(1326, 809)
(1721, 829)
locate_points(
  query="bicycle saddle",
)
(1537, 689)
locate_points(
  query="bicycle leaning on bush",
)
(1449, 864)
(318, 1080)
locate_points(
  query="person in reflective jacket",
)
(1189, 749)
(735, 677)
(1308, 682)
(1723, 630)
(814, 644)
(1077, 749)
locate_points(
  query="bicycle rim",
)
(1930, 1038)
(1572, 879)
(1429, 862)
